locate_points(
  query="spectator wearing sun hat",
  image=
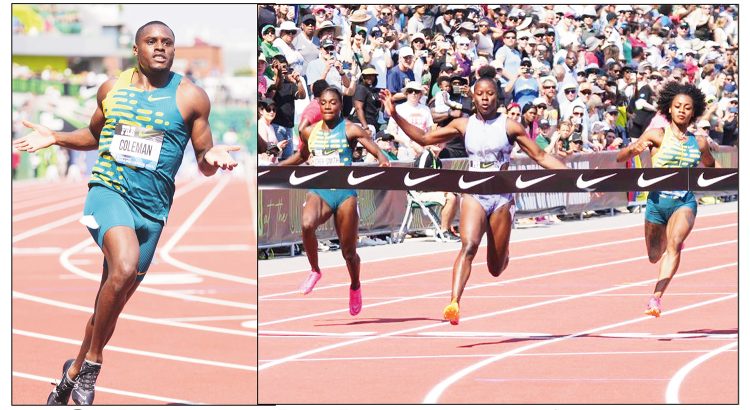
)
(285, 34)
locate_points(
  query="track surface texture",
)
(191, 324)
(564, 324)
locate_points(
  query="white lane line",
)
(320, 349)
(138, 352)
(48, 209)
(512, 259)
(185, 227)
(53, 250)
(107, 390)
(325, 334)
(72, 218)
(68, 265)
(512, 241)
(489, 284)
(128, 316)
(481, 356)
(633, 335)
(213, 248)
(434, 395)
(673, 388)
(46, 227)
(210, 318)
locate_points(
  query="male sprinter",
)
(141, 126)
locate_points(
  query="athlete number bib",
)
(325, 157)
(136, 146)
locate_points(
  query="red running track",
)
(188, 335)
(563, 324)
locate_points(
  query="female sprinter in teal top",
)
(670, 215)
(330, 142)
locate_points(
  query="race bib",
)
(136, 146)
(325, 157)
(484, 166)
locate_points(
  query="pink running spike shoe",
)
(654, 307)
(310, 282)
(355, 301)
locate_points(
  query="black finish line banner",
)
(539, 180)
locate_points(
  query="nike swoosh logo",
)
(582, 184)
(703, 182)
(466, 185)
(330, 151)
(151, 98)
(352, 180)
(643, 182)
(408, 181)
(521, 184)
(263, 173)
(295, 180)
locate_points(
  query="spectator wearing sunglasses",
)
(304, 41)
(285, 35)
(509, 57)
(328, 67)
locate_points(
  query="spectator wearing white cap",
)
(416, 114)
(402, 73)
(419, 46)
(284, 41)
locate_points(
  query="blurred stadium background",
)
(62, 53)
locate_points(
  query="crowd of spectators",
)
(579, 78)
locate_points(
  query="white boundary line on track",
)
(434, 394)
(72, 218)
(512, 258)
(210, 318)
(512, 241)
(138, 352)
(306, 353)
(673, 388)
(50, 208)
(468, 356)
(128, 316)
(483, 285)
(185, 227)
(68, 265)
(108, 390)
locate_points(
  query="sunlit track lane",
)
(572, 299)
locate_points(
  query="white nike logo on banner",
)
(295, 180)
(643, 182)
(521, 184)
(582, 184)
(408, 181)
(263, 173)
(352, 180)
(703, 182)
(466, 185)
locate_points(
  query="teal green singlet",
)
(142, 144)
